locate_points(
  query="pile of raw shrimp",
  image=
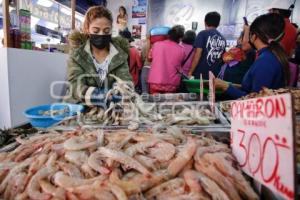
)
(121, 165)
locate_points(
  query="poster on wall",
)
(139, 9)
(137, 31)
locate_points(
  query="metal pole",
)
(73, 6)
(6, 23)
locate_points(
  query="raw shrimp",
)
(78, 143)
(48, 188)
(38, 163)
(177, 133)
(100, 138)
(165, 187)
(64, 181)
(215, 175)
(183, 157)
(51, 160)
(162, 151)
(7, 165)
(15, 170)
(59, 149)
(76, 157)
(33, 187)
(19, 184)
(226, 168)
(129, 187)
(118, 192)
(70, 169)
(211, 149)
(145, 183)
(193, 179)
(140, 147)
(88, 171)
(104, 194)
(96, 161)
(190, 196)
(28, 151)
(124, 159)
(146, 161)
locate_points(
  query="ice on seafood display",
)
(120, 165)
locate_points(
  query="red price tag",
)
(212, 94)
(262, 139)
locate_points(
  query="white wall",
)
(29, 76)
(5, 118)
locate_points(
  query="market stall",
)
(155, 147)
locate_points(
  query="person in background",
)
(122, 19)
(271, 68)
(238, 60)
(210, 46)
(95, 55)
(146, 65)
(187, 43)
(296, 58)
(284, 8)
(135, 61)
(167, 57)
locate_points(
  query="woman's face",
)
(121, 10)
(100, 26)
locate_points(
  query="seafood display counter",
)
(196, 116)
(122, 164)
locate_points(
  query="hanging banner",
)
(50, 14)
(262, 140)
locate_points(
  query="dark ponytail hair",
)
(269, 28)
(176, 33)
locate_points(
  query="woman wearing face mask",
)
(95, 55)
(271, 68)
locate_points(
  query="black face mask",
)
(100, 41)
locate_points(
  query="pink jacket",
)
(187, 49)
(167, 57)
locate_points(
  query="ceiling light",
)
(45, 3)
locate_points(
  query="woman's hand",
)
(220, 84)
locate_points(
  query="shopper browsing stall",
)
(271, 68)
(238, 60)
(188, 41)
(95, 56)
(284, 8)
(135, 61)
(210, 46)
(167, 57)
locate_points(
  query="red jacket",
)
(135, 64)
(288, 42)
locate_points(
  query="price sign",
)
(262, 139)
(212, 93)
(201, 88)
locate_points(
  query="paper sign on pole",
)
(212, 94)
(262, 139)
(201, 88)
